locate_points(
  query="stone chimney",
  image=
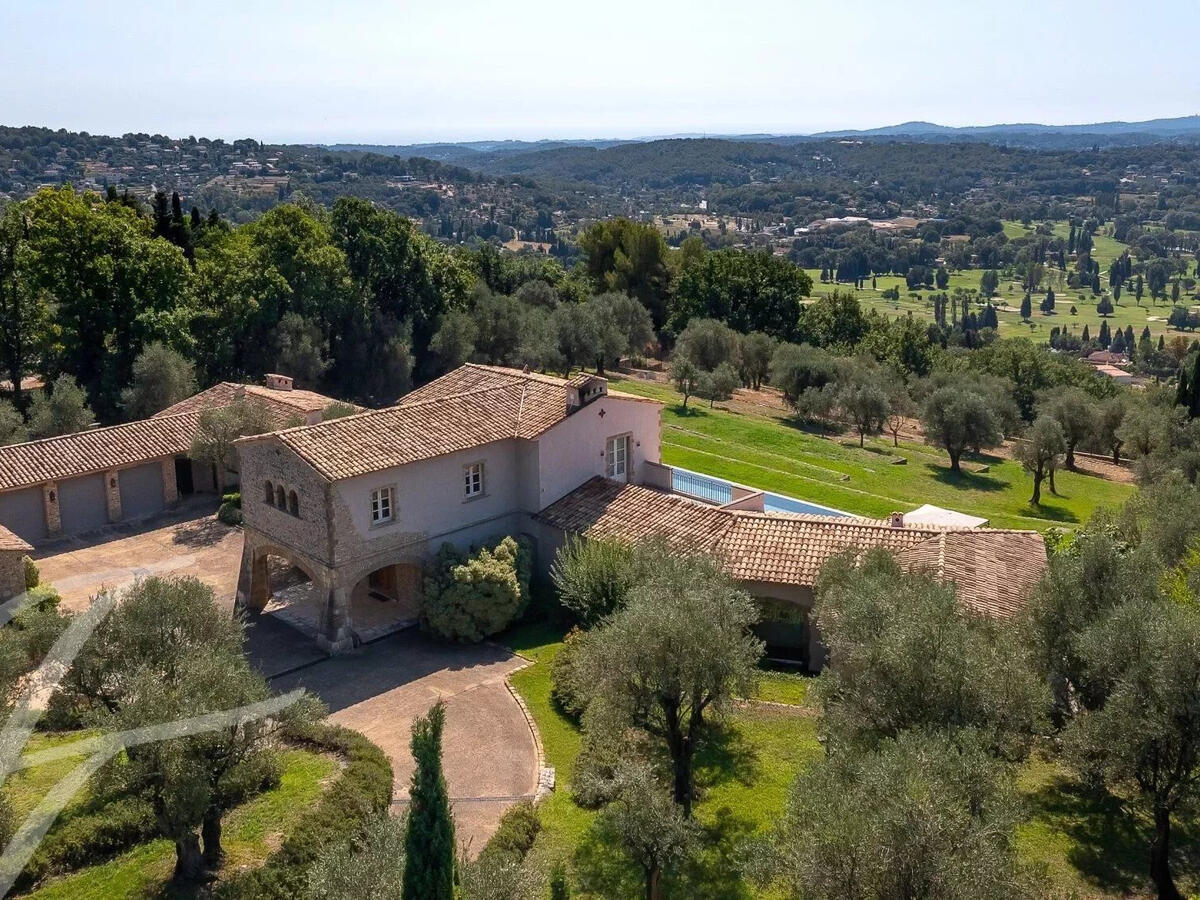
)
(278, 382)
(896, 520)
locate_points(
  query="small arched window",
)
(280, 498)
(294, 504)
(269, 494)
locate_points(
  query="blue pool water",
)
(720, 491)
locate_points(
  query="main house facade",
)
(359, 503)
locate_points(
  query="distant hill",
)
(1184, 128)
(486, 154)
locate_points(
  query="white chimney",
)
(278, 382)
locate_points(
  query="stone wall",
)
(12, 573)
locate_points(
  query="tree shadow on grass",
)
(1054, 513)
(972, 481)
(726, 756)
(1110, 844)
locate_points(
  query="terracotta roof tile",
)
(282, 405)
(469, 407)
(96, 450)
(9, 541)
(994, 570)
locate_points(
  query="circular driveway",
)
(488, 749)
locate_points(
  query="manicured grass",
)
(783, 687)
(742, 778)
(770, 453)
(1093, 845)
(250, 833)
(25, 788)
(1104, 250)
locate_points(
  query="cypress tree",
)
(1105, 335)
(1194, 396)
(1026, 307)
(1182, 393)
(1086, 336)
(1161, 343)
(429, 839)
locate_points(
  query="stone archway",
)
(321, 610)
(386, 599)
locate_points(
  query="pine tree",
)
(429, 840)
(1026, 307)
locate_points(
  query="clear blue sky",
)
(402, 71)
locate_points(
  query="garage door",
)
(141, 490)
(21, 513)
(82, 504)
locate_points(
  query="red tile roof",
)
(469, 407)
(95, 450)
(9, 541)
(994, 570)
(284, 406)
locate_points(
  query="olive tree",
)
(904, 654)
(957, 419)
(162, 377)
(217, 429)
(1076, 413)
(918, 817)
(677, 651)
(1145, 740)
(1039, 453)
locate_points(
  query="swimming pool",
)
(720, 491)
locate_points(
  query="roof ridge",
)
(102, 429)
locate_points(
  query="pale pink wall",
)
(573, 450)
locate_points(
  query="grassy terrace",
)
(766, 451)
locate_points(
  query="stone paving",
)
(489, 752)
(188, 541)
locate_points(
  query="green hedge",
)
(363, 791)
(89, 838)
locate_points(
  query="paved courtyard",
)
(188, 541)
(489, 752)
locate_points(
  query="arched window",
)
(269, 494)
(280, 498)
(293, 504)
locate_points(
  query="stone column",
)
(253, 587)
(50, 505)
(335, 633)
(112, 488)
(170, 487)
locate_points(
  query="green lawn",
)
(1085, 846)
(742, 779)
(769, 453)
(251, 831)
(1105, 249)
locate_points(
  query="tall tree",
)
(430, 834)
(1039, 452)
(23, 311)
(677, 652)
(629, 256)
(62, 409)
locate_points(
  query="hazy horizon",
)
(402, 73)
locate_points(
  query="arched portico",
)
(341, 607)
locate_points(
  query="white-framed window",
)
(381, 506)
(616, 457)
(473, 480)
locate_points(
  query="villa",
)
(358, 505)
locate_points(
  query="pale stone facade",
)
(332, 536)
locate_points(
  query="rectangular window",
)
(616, 457)
(381, 506)
(473, 480)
